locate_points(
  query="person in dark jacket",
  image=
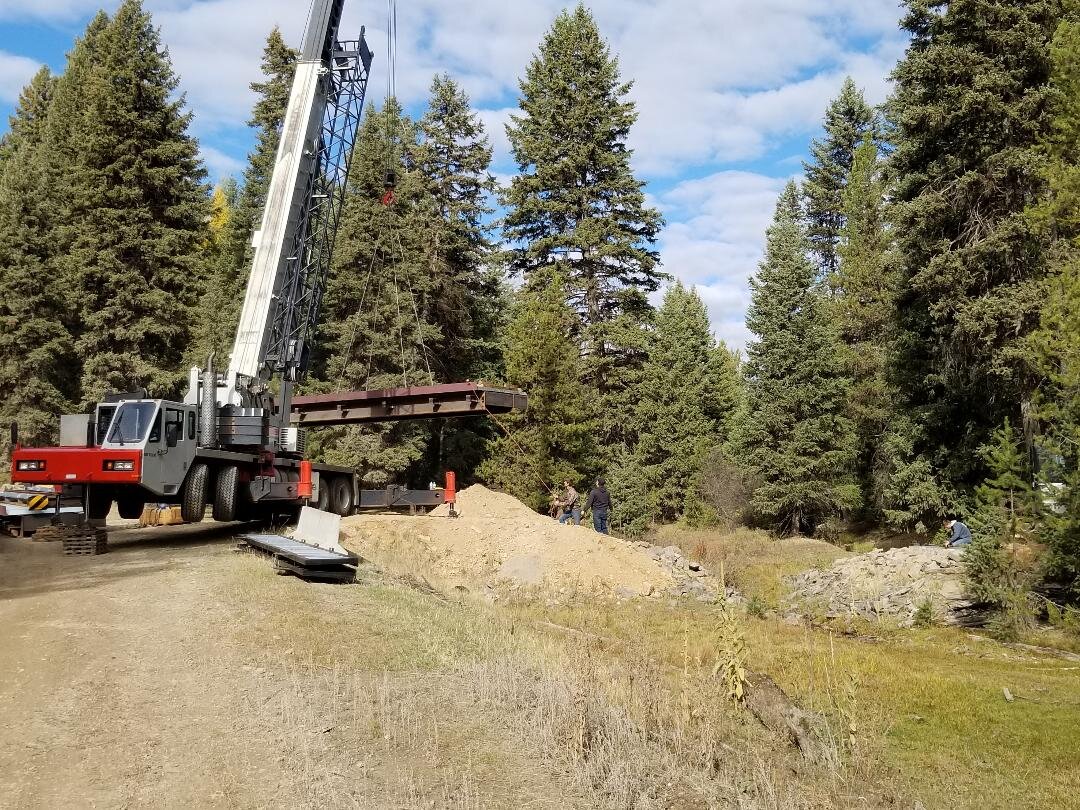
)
(960, 534)
(599, 503)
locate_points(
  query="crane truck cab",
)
(129, 450)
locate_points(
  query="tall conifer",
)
(575, 200)
(863, 301)
(374, 331)
(38, 373)
(970, 109)
(135, 213)
(794, 435)
(684, 399)
(848, 121)
(554, 439)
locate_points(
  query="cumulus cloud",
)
(15, 72)
(718, 84)
(714, 241)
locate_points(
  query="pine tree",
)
(134, 214)
(374, 333)
(681, 404)
(576, 201)
(849, 120)
(863, 301)
(554, 439)
(37, 373)
(230, 262)
(794, 435)
(467, 299)
(971, 106)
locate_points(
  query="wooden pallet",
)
(48, 534)
(84, 540)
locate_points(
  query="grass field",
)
(623, 701)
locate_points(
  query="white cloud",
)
(15, 72)
(717, 82)
(715, 238)
(219, 164)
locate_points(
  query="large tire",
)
(341, 495)
(322, 503)
(130, 507)
(225, 495)
(98, 503)
(196, 486)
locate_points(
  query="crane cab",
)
(129, 450)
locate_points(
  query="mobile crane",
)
(232, 442)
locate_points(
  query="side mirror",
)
(172, 434)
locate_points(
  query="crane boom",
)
(294, 243)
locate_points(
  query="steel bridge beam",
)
(401, 404)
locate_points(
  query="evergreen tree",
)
(863, 301)
(794, 435)
(576, 201)
(230, 261)
(27, 124)
(467, 299)
(1055, 346)
(682, 399)
(554, 439)
(134, 214)
(374, 333)
(37, 372)
(1001, 565)
(971, 106)
(849, 120)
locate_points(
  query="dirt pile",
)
(887, 583)
(499, 547)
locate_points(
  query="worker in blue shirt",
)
(961, 534)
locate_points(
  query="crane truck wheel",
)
(322, 503)
(341, 495)
(131, 507)
(225, 495)
(98, 503)
(193, 505)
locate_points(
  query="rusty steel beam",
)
(400, 404)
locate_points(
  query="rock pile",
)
(892, 583)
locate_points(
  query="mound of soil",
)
(498, 546)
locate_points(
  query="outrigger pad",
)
(321, 529)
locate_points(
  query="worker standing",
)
(599, 503)
(570, 505)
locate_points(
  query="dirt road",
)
(175, 672)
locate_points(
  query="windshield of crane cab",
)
(132, 422)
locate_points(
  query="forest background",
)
(914, 337)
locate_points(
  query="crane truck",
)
(236, 442)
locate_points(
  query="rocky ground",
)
(894, 583)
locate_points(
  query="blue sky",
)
(729, 92)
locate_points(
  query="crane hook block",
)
(389, 185)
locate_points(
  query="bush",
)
(725, 488)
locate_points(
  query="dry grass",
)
(465, 699)
(462, 705)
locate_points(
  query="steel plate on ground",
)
(297, 552)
